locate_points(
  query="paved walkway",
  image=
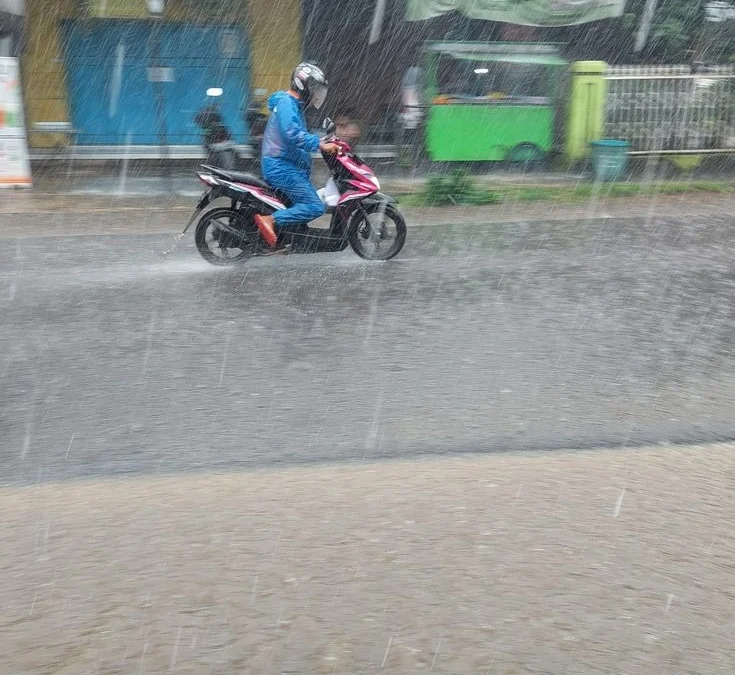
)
(564, 563)
(24, 214)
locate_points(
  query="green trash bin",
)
(609, 159)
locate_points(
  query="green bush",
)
(456, 188)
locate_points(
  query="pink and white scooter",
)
(360, 215)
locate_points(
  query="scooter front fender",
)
(379, 198)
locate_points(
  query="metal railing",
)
(669, 109)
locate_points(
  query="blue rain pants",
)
(295, 183)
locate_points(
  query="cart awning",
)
(524, 53)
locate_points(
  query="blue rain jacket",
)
(286, 136)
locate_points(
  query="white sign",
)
(717, 12)
(228, 44)
(161, 74)
(15, 169)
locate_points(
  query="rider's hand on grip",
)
(330, 148)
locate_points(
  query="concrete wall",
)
(274, 44)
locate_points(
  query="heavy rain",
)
(358, 336)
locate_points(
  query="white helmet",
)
(309, 81)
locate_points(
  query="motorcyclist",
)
(287, 148)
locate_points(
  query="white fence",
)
(668, 109)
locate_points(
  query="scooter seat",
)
(238, 176)
(248, 179)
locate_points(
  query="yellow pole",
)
(586, 110)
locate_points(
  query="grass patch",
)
(458, 188)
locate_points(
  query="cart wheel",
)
(528, 155)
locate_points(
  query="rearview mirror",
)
(328, 124)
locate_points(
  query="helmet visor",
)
(318, 95)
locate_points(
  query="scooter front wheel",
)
(378, 233)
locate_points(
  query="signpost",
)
(15, 169)
(645, 25)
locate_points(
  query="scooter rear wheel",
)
(227, 237)
(379, 233)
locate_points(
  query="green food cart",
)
(491, 101)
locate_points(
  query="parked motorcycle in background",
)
(256, 120)
(221, 149)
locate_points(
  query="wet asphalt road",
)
(115, 359)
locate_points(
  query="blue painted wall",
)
(112, 100)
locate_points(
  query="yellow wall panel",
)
(118, 9)
(275, 42)
(44, 84)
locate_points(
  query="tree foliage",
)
(679, 33)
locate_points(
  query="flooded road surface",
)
(117, 359)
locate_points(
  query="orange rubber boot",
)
(266, 227)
